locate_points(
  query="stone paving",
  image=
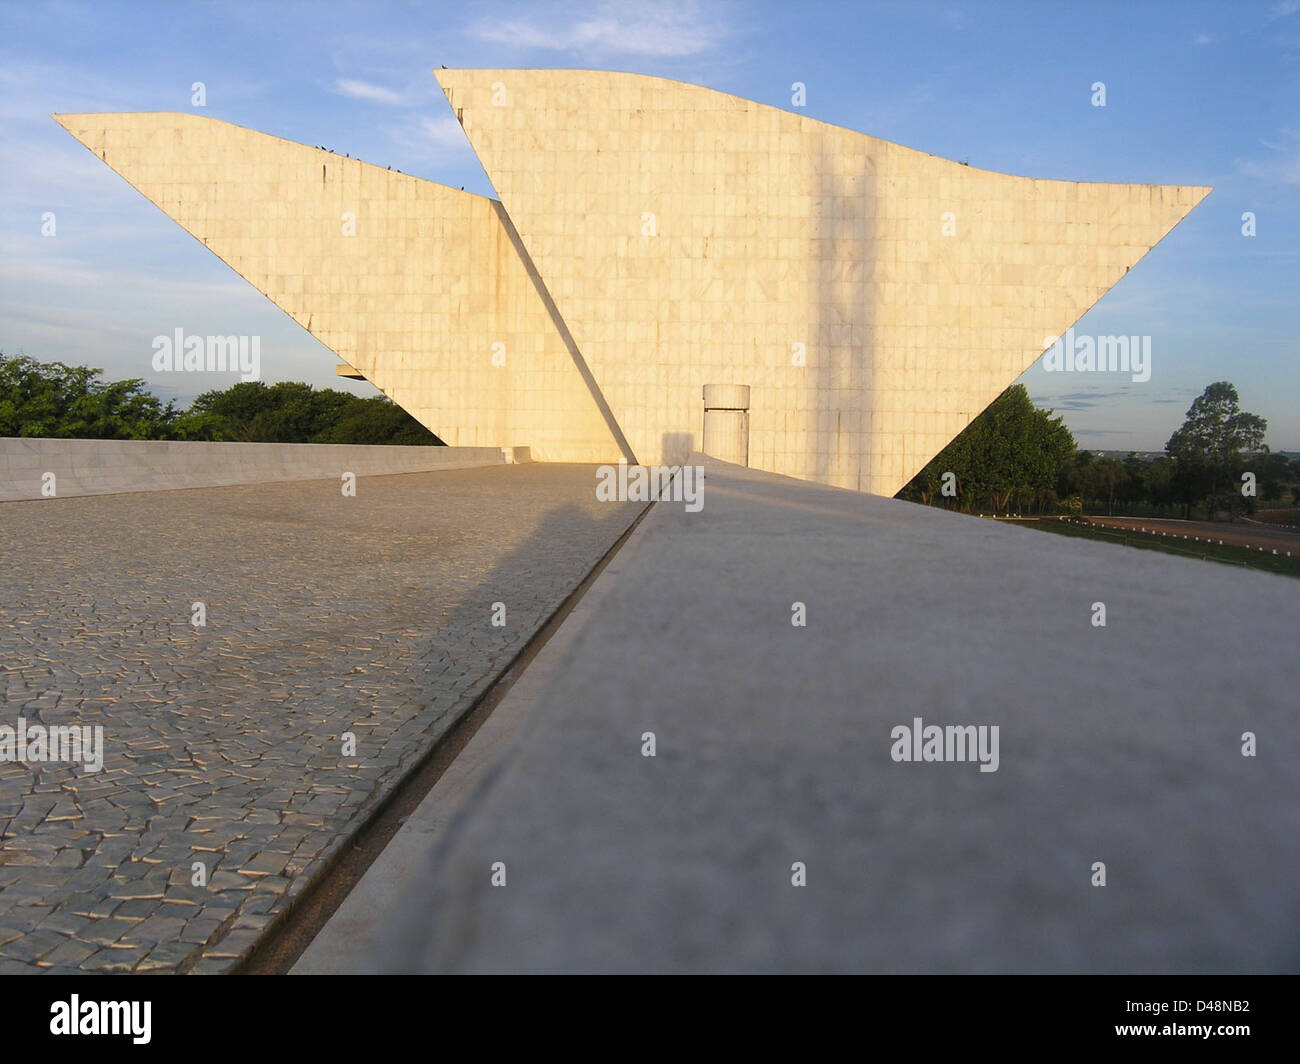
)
(223, 744)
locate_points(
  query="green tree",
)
(59, 401)
(1077, 479)
(1274, 474)
(55, 400)
(1207, 448)
(1135, 487)
(1112, 478)
(1159, 486)
(1012, 453)
(293, 412)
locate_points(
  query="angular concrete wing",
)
(420, 287)
(873, 298)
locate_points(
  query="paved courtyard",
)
(224, 744)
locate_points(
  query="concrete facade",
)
(410, 282)
(654, 238)
(110, 467)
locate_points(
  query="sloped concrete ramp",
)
(1119, 746)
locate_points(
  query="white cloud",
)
(58, 171)
(365, 90)
(663, 31)
(952, 19)
(1282, 165)
(125, 283)
(1284, 8)
(435, 142)
(1202, 39)
(444, 132)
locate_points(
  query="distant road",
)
(1241, 535)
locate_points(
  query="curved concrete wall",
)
(875, 298)
(653, 237)
(109, 467)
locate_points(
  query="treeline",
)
(1015, 458)
(51, 399)
(1137, 487)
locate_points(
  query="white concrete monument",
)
(657, 243)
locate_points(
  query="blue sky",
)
(1197, 94)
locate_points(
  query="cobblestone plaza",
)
(223, 744)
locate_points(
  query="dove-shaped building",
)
(668, 269)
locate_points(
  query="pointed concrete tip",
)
(1194, 195)
(441, 72)
(70, 123)
(67, 121)
(1187, 197)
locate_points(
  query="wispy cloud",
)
(444, 132)
(662, 31)
(1283, 9)
(1282, 164)
(432, 141)
(952, 18)
(73, 271)
(365, 90)
(1202, 39)
(58, 171)
(1094, 395)
(884, 115)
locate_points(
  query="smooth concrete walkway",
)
(1118, 746)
